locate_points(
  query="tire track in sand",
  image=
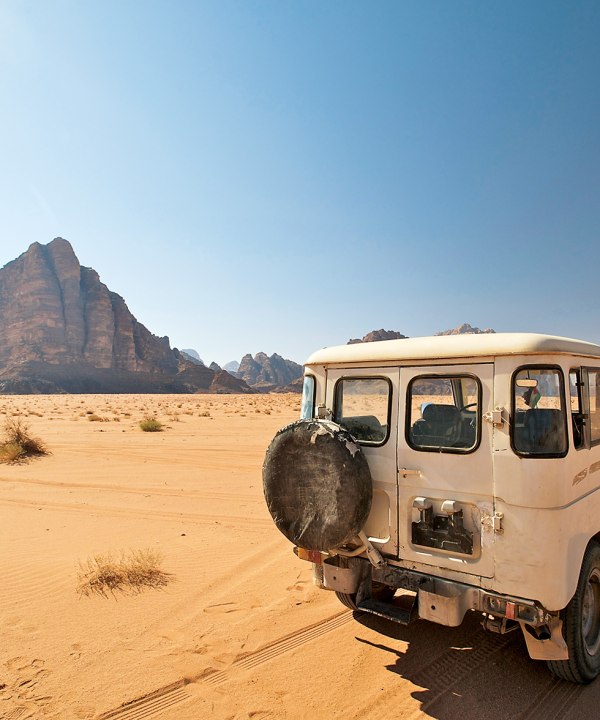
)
(554, 702)
(277, 647)
(199, 518)
(149, 704)
(444, 672)
(186, 494)
(175, 693)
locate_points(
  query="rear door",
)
(446, 485)
(366, 402)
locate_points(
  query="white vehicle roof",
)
(454, 346)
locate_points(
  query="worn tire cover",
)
(317, 484)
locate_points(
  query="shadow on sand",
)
(468, 674)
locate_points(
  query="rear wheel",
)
(581, 624)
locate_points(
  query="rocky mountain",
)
(267, 374)
(192, 355)
(376, 335)
(232, 366)
(63, 330)
(466, 329)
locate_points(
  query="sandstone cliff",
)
(376, 335)
(63, 330)
(266, 373)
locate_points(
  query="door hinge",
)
(494, 416)
(493, 522)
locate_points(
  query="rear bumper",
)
(440, 600)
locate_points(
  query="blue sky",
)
(280, 176)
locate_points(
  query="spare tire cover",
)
(317, 484)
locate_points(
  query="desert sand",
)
(239, 631)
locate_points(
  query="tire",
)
(379, 591)
(348, 600)
(581, 624)
(317, 484)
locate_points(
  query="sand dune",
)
(240, 631)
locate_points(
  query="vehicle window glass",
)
(577, 417)
(538, 426)
(307, 406)
(443, 413)
(594, 398)
(362, 406)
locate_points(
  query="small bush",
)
(133, 572)
(151, 424)
(18, 444)
(95, 418)
(11, 452)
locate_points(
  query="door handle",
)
(406, 472)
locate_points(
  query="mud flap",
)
(552, 648)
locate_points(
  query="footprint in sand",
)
(20, 688)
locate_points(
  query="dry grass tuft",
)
(133, 572)
(17, 444)
(151, 424)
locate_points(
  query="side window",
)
(577, 412)
(594, 400)
(307, 407)
(363, 406)
(538, 427)
(443, 413)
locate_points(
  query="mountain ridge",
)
(63, 330)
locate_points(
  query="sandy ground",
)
(240, 631)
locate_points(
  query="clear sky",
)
(280, 176)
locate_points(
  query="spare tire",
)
(317, 484)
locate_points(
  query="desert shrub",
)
(132, 572)
(11, 452)
(151, 424)
(17, 443)
(95, 418)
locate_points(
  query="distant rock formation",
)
(62, 330)
(267, 374)
(376, 335)
(214, 367)
(232, 367)
(192, 355)
(466, 329)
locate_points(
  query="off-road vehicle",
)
(429, 477)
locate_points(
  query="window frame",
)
(436, 448)
(314, 395)
(585, 404)
(561, 379)
(338, 383)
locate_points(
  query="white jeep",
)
(432, 476)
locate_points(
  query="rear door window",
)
(362, 405)
(539, 427)
(444, 413)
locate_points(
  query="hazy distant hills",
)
(63, 330)
(376, 335)
(466, 329)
